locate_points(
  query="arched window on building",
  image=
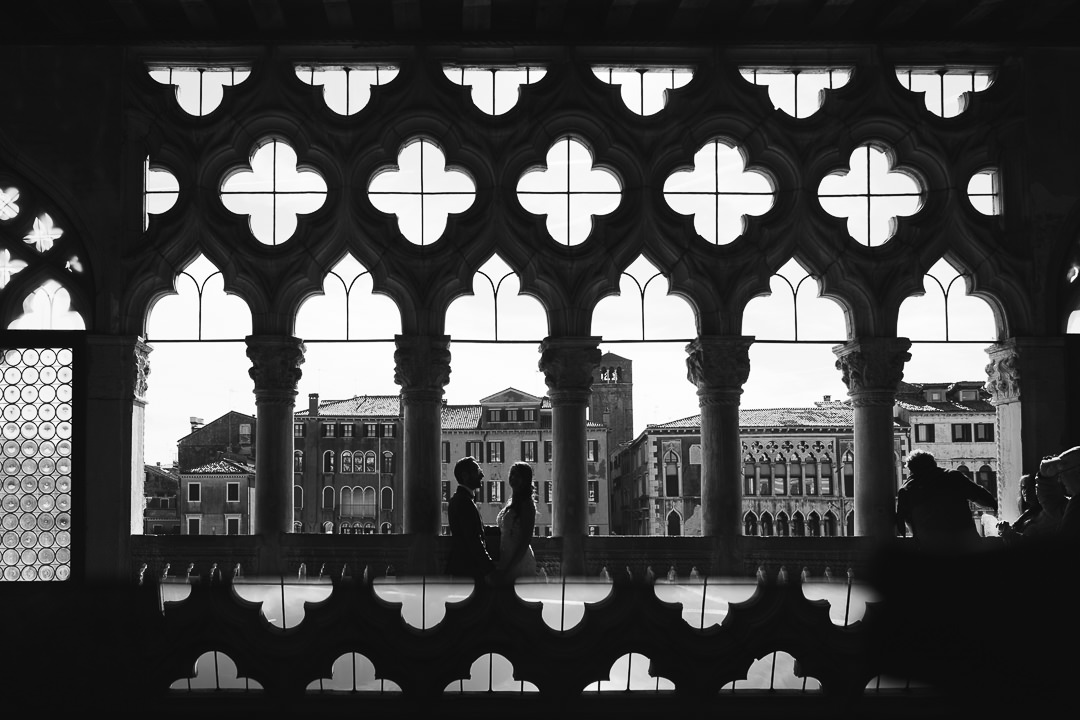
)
(749, 524)
(764, 468)
(798, 525)
(298, 497)
(965, 470)
(350, 502)
(749, 476)
(387, 498)
(849, 475)
(825, 479)
(297, 526)
(369, 461)
(829, 525)
(813, 525)
(298, 461)
(766, 524)
(328, 461)
(849, 522)
(795, 482)
(674, 523)
(328, 528)
(367, 502)
(328, 498)
(386, 528)
(988, 479)
(813, 469)
(346, 461)
(671, 474)
(388, 462)
(779, 473)
(781, 524)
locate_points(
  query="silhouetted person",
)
(1065, 468)
(468, 549)
(1042, 502)
(934, 503)
(516, 521)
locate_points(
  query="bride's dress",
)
(512, 532)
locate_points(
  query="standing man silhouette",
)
(468, 549)
(934, 503)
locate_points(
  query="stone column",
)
(872, 368)
(719, 366)
(568, 364)
(422, 369)
(116, 377)
(1026, 382)
(275, 368)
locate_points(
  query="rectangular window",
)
(232, 524)
(924, 433)
(194, 526)
(232, 492)
(594, 529)
(245, 433)
(984, 432)
(445, 529)
(298, 430)
(446, 490)
(369, 429)
(494, 415)
(961, 432)
(328, 430)
(528, 451)
(528, 415)
(446, 452)
(934, 396)
(592, 450)
(495, 452)
(475, 448)
(594, 491)
(547, 491)
(388, 430)
(194, 492)
(547, 451)
(347, 430)
(547, 531)
(511, 415)
(495, 491)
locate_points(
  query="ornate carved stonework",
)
(422, 363)
(872, 368)
(275, 366)
(142, 369)
(718, 367)
(568, 364)
(1003, 374)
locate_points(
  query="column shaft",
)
(275, 361)
(568, 364)
(871, 369)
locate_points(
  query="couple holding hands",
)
(469, 556)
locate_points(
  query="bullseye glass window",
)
(35, 507)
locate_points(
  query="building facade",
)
(798, 474)
(230, 436)
(161, 510)
(217, 498)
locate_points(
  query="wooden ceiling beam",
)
(476, 15)
(338, 14)
(268, 15)
(199, 14)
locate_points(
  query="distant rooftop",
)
(223, 467)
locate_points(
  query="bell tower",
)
(612, 399)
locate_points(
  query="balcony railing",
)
(650, 631)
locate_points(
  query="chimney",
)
(196, 423)
(828, 398)
(313, 405)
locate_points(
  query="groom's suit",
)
(468, 550)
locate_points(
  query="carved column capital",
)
(719, 367)
(568, 364)
(422, 365)
(275, 367)
(142, 369)
(121, 367)
(872, 368)
(1003, 373)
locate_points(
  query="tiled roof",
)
(359, 406)
(461, 417)
(159, 471)
(970, 406)
(832, 414)
(223, 467)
